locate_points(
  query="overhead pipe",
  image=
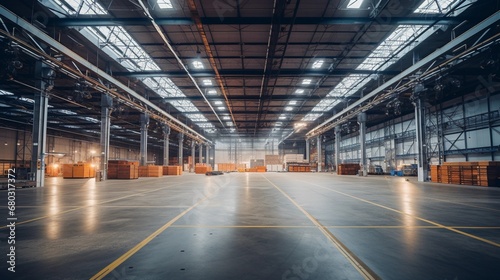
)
(210, 55)
(165, 40)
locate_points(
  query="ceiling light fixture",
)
(306, 81)
(197, 64)
(207, 82)
(299, 91)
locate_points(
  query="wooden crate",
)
(436, 173)
(202, 169)
(151, 171)
(172, 170)
(68, 170)
(348, 169)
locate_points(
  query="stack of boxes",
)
(151, 171)
(299, 168)
(123, 169)
(348, 169)
(273, 163)
(202, 168)
(172, 170)
(78, 171)
(479, 173)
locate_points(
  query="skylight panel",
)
(212, 91)
(218, 102)
(229, 124)
(25, 99)
(317, 64)
(221, 108)
(299, 91)
(288, 108)
(282, 117)
(207, 82)
(3, 92)
(311, 117)
(293, 102)
(306, 81)
(354, 4)
(226, 117)
(164, 4)
(435, 6)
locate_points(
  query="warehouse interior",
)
(223, 139)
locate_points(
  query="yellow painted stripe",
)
(112, 266)
(410, 215)
(357, 263)
(465, 204)
(87, 206)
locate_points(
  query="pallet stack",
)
(202, 168)
(123, 169)
(272, 160)
(299, 168)
(78, 171)
(227, 167)
(151, 171)
(175, 170)
(479, 173)
(348, 169)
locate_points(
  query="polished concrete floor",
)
(255, 226)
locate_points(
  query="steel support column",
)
(40, 109)
(421, 145)
(180, 136)
(362, 141)
(200, 153)
(193, 155)
(144, 139)
(166, 144)
(337, 146)
(307, 150)
(319, 153)
(207, 155)
(106, 104)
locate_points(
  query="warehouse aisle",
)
(256, 226)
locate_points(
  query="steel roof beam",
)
(108, 21)
(255, 72)
(368, 101)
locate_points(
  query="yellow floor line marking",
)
(339, 227)
(112, 266)
(357, 263)
(410, 215)
(87, 206)
(465, 204)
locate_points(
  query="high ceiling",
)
(223, 67)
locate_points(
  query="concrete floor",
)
(255, 226)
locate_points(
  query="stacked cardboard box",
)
(274, 167)
(299, 168)
(436, 173)
(227, 167)
(172, 170)
(272, 160)
(348, 169)
(151, 171)
(123, 169)
(79, 170)
(482, 173)
(202, 168)
(293, 158)
(256, 162)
